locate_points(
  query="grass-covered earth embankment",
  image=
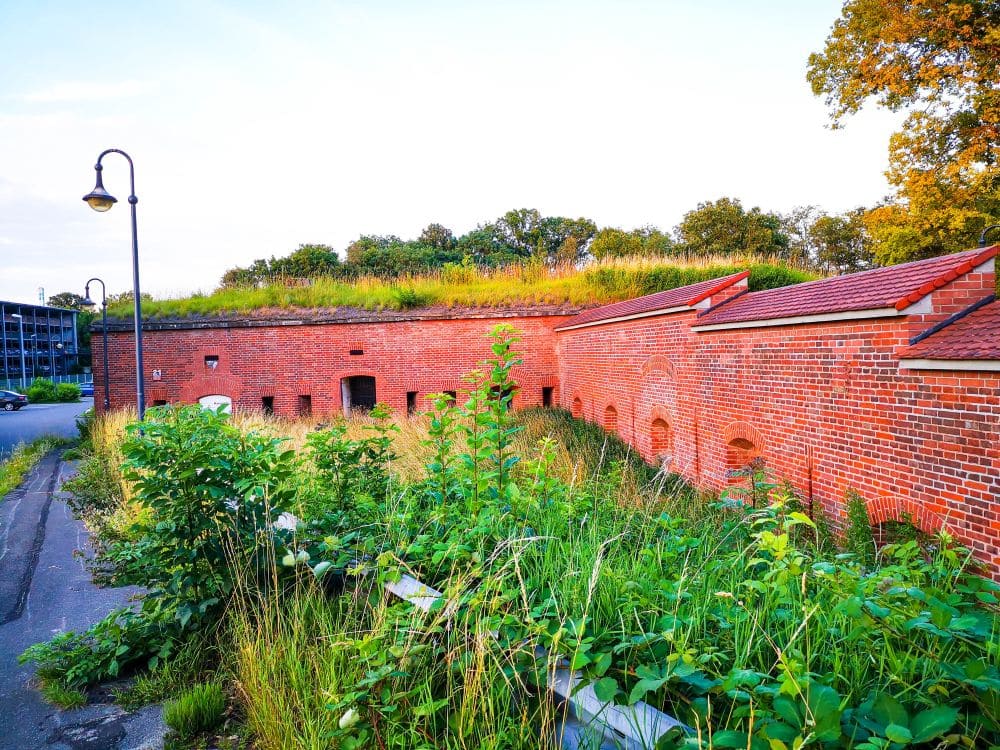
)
(458, 285)
(15, 467)
(552, 544)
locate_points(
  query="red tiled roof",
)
(976, 336)
(682, 296)
(894, 286)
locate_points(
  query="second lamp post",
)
(104, 333)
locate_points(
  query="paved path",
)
(46, 589)
(35, 420)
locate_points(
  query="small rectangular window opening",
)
(267, 405)
(411, 402)
(547, 396)
(160, 402)
(305, 406)
(211, 361)
(357, 352)
(452, 397)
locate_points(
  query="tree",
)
(550, 238)
(939, 59)
(67, 300)
(842, 242)
(612, 242)
(724, 227)
(308, 261)
(437, 236)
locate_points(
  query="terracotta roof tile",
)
(894, 286)
(683, 296)
(976, 336)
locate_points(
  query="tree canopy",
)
(67, 300)
(940, 61)
(724, 227)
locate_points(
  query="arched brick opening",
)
(744, 446)
(885, 510)
(658, 364)
(358, 394)
(577, 408)
(661, 441)
(611, 418)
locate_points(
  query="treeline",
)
(806, 237)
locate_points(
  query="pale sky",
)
(257, 126)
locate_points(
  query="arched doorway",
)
(214, 401)
(357, 394)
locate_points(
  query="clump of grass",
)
(600, 282)
(59, 694)
(198, 709)
(186, 668)
(23, 459)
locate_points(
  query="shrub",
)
(196, 710)
(67, 392)
(41, 391)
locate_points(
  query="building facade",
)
(884, 383)
(37, 341)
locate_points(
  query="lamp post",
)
(101, 200)
(104, 333)
(982, 237)
(20, 328)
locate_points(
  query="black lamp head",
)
(100, 199)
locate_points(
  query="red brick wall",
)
(825, 405)
(285, 362)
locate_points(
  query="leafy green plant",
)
(196, 710)
(858, 537)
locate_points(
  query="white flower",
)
(349, 719)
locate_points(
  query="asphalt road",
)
(46, 589)
(36, 420)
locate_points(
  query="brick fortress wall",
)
(287, 362)
(826, 406)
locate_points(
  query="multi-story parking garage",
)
(37, 341)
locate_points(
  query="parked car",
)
(87, 389)
(11, 401)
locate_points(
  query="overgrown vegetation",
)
(15, 467)
(44, 391)
(468, 285)
(553, 545)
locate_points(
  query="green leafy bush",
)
(41, 391)
(198, 709)
(67, 392)
(44, 391)
(215, 494)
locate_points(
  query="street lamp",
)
(104, 332)
(34, 354)
(100, 200)
(20, 328)
(982, 237)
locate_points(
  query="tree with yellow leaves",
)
(940, 61)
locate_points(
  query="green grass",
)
(598, 283)
(197, 709)
(58, 694)
(23, 459)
